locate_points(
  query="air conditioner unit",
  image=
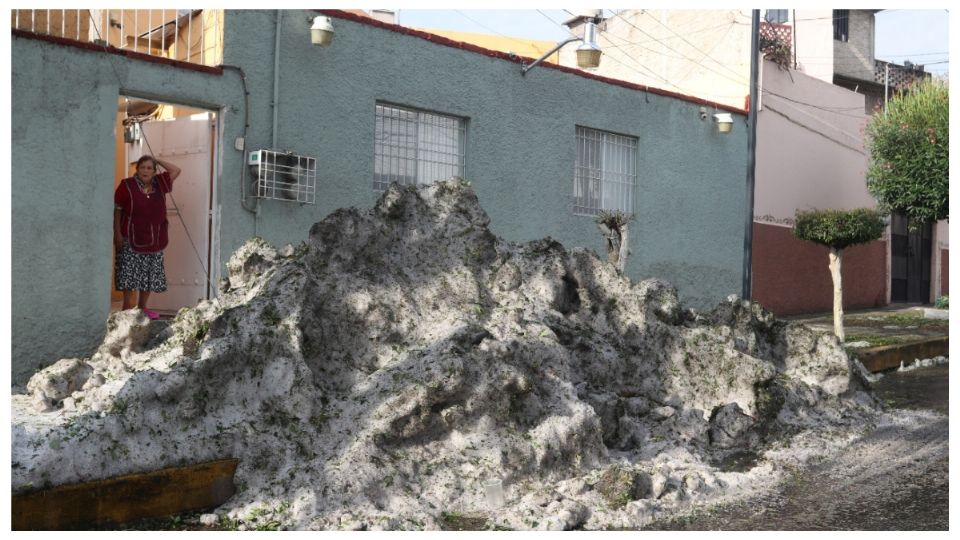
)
(283, 176)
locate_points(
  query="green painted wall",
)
(519, 157)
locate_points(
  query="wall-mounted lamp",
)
(724, 122)
(321, 33)
(588, 54)
(703, 113)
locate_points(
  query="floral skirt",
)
(139, 271)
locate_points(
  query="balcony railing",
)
(775, 34)
(190, 35)
(898, 76)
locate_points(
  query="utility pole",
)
(886, 85)
(751, 155)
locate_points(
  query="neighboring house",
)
(519, 46)
(810, 154)
(707, 54)
(545, 153)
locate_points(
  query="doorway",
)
(186, 137)
(910, 253)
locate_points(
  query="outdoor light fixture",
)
(588, 54)
(321, 33)
(724, 122)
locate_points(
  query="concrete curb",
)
(889, 356)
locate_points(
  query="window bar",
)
(63, 23)
(48, 20)
(78, 24)
(163, 33)
(395, 148)
(33, 20)
(214, 59)
(174, 39)
(416, 145)
(190, 36)
(136, 32)
(203, 37)
(123, 42)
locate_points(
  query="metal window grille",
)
(605, 173)
(841, 24)
(416, 147)
(284, 177)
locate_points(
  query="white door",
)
(186, 142)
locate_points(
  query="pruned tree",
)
(837, 230)
(909, 153)
(615, 228)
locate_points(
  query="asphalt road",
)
(896, 478)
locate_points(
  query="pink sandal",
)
(152, 314)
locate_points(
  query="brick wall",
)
(790, 276)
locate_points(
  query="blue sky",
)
(920, 36)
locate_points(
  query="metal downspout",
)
(276, 81)
(276, 92)
(751, 155)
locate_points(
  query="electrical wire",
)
(651, 72)
(485, 27)
(835, 110)
(700, 63)
(701, 30)
(808, 128)
(647, 13)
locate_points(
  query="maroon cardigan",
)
(143, 218)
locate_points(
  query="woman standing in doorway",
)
(140, 232)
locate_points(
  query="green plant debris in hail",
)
(875, 341)
(270, 315)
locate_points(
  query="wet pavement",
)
(895, 478)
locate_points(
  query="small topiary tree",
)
(838, 229)
(615, 228)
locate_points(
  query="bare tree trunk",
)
(618, 243)
(610, 236)
(624, 250)
(836, 256)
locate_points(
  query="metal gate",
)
(910, 254)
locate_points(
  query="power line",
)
(832, 110)
(485, 27)
(820, 133)
(741, 82)
(641, 43)
(647, 13)
(651, 72)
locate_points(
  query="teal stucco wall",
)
(520, 144)
(520, 156)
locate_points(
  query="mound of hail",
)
(404, 368)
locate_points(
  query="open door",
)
(186, 138)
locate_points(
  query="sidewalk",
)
(883, 337)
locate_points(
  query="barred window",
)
(605, 173)
(416, 147)
(841, 24)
